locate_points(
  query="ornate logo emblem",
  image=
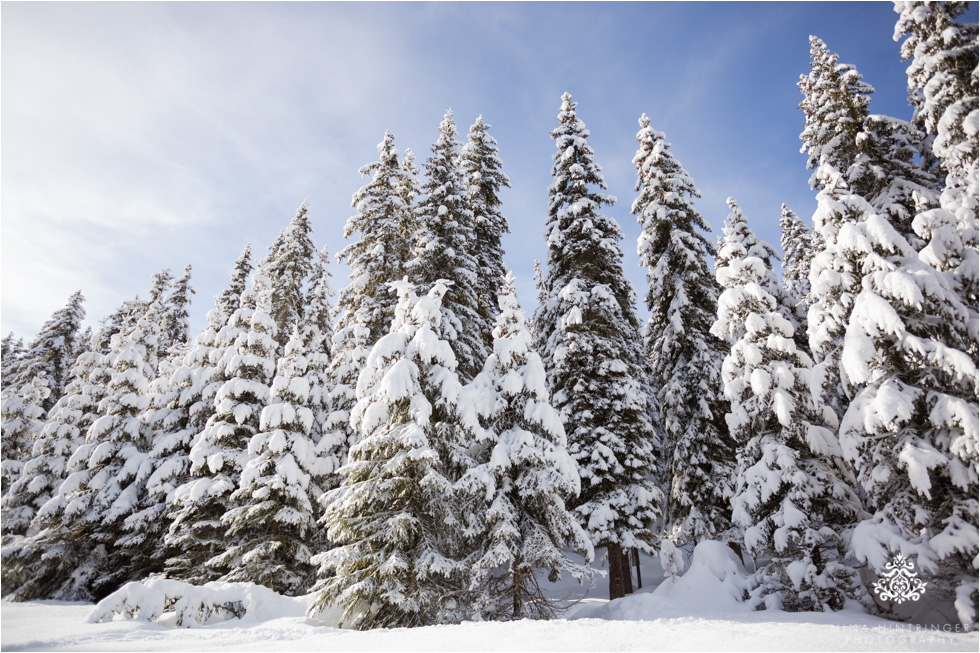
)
(899, 583)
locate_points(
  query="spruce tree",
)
(520, 480)
(796, 241)
(193, 387)
(482, 169)
(392, 518)
(910, 429)
(247, 354)
(78, 531)
(176, 318)
(445, 248)
(52, 352)
(684, 357)
(62, 433)
(22, 418)
(288, 266)
(793, 496)
(366, 307)
(11, 356)
(942, 78)
(591, 334)
(835, 107)
(273, 521)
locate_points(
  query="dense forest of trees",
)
(420, 451)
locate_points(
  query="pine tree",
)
(482, 168)
(62, 433)
(366, 306)
(79, 530)
(246, 351)
(11, 356)
(684, 357)
(288, 266)
(835, 106)
(592, 336)
(176, 319)
(793, 495)
(51, 354)
(317, 333)
(274, 520)
(193, 387)
(796, 241)
(942, 79)
(521, 477)
(911, 428)
(392, 516)
(445, 249)
(37, 563)
(120, 320)
(23, 419)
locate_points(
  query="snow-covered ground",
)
(697, 612)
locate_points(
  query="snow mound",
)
(715, 583)
(172, 602)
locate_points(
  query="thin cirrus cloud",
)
(144, 135)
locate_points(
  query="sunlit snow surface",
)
(697, 612)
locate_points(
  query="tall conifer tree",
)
(591, 335)
(445, 248)
(684, 357)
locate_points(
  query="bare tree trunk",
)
(617, 588)
(627, 573)
(517, 587)
(636, 559)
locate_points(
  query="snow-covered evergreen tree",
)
(796, 241)
(52, 353)
(483, 170)
(120, 320)
(445, 248)
(366, 307)
(175, 322)
(247, 354)
(63, 432)
(184, 415)
(317, 333)
(22, 416)
(591, 335)
(230, 299)
(684, 357)
(793, 496)
(50, 463)
(942, 77)
(80, 528)
(392, 518)
(288, 267)
(270, 527)
(835, 107)
(911, 427)
(10, 357)
(521, 478)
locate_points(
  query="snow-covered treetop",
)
(230, 298)
(835, 104)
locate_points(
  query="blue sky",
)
(143, 135)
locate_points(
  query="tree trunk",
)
(617, 588)
(636, 559)
(627, 573)
(517, 586)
